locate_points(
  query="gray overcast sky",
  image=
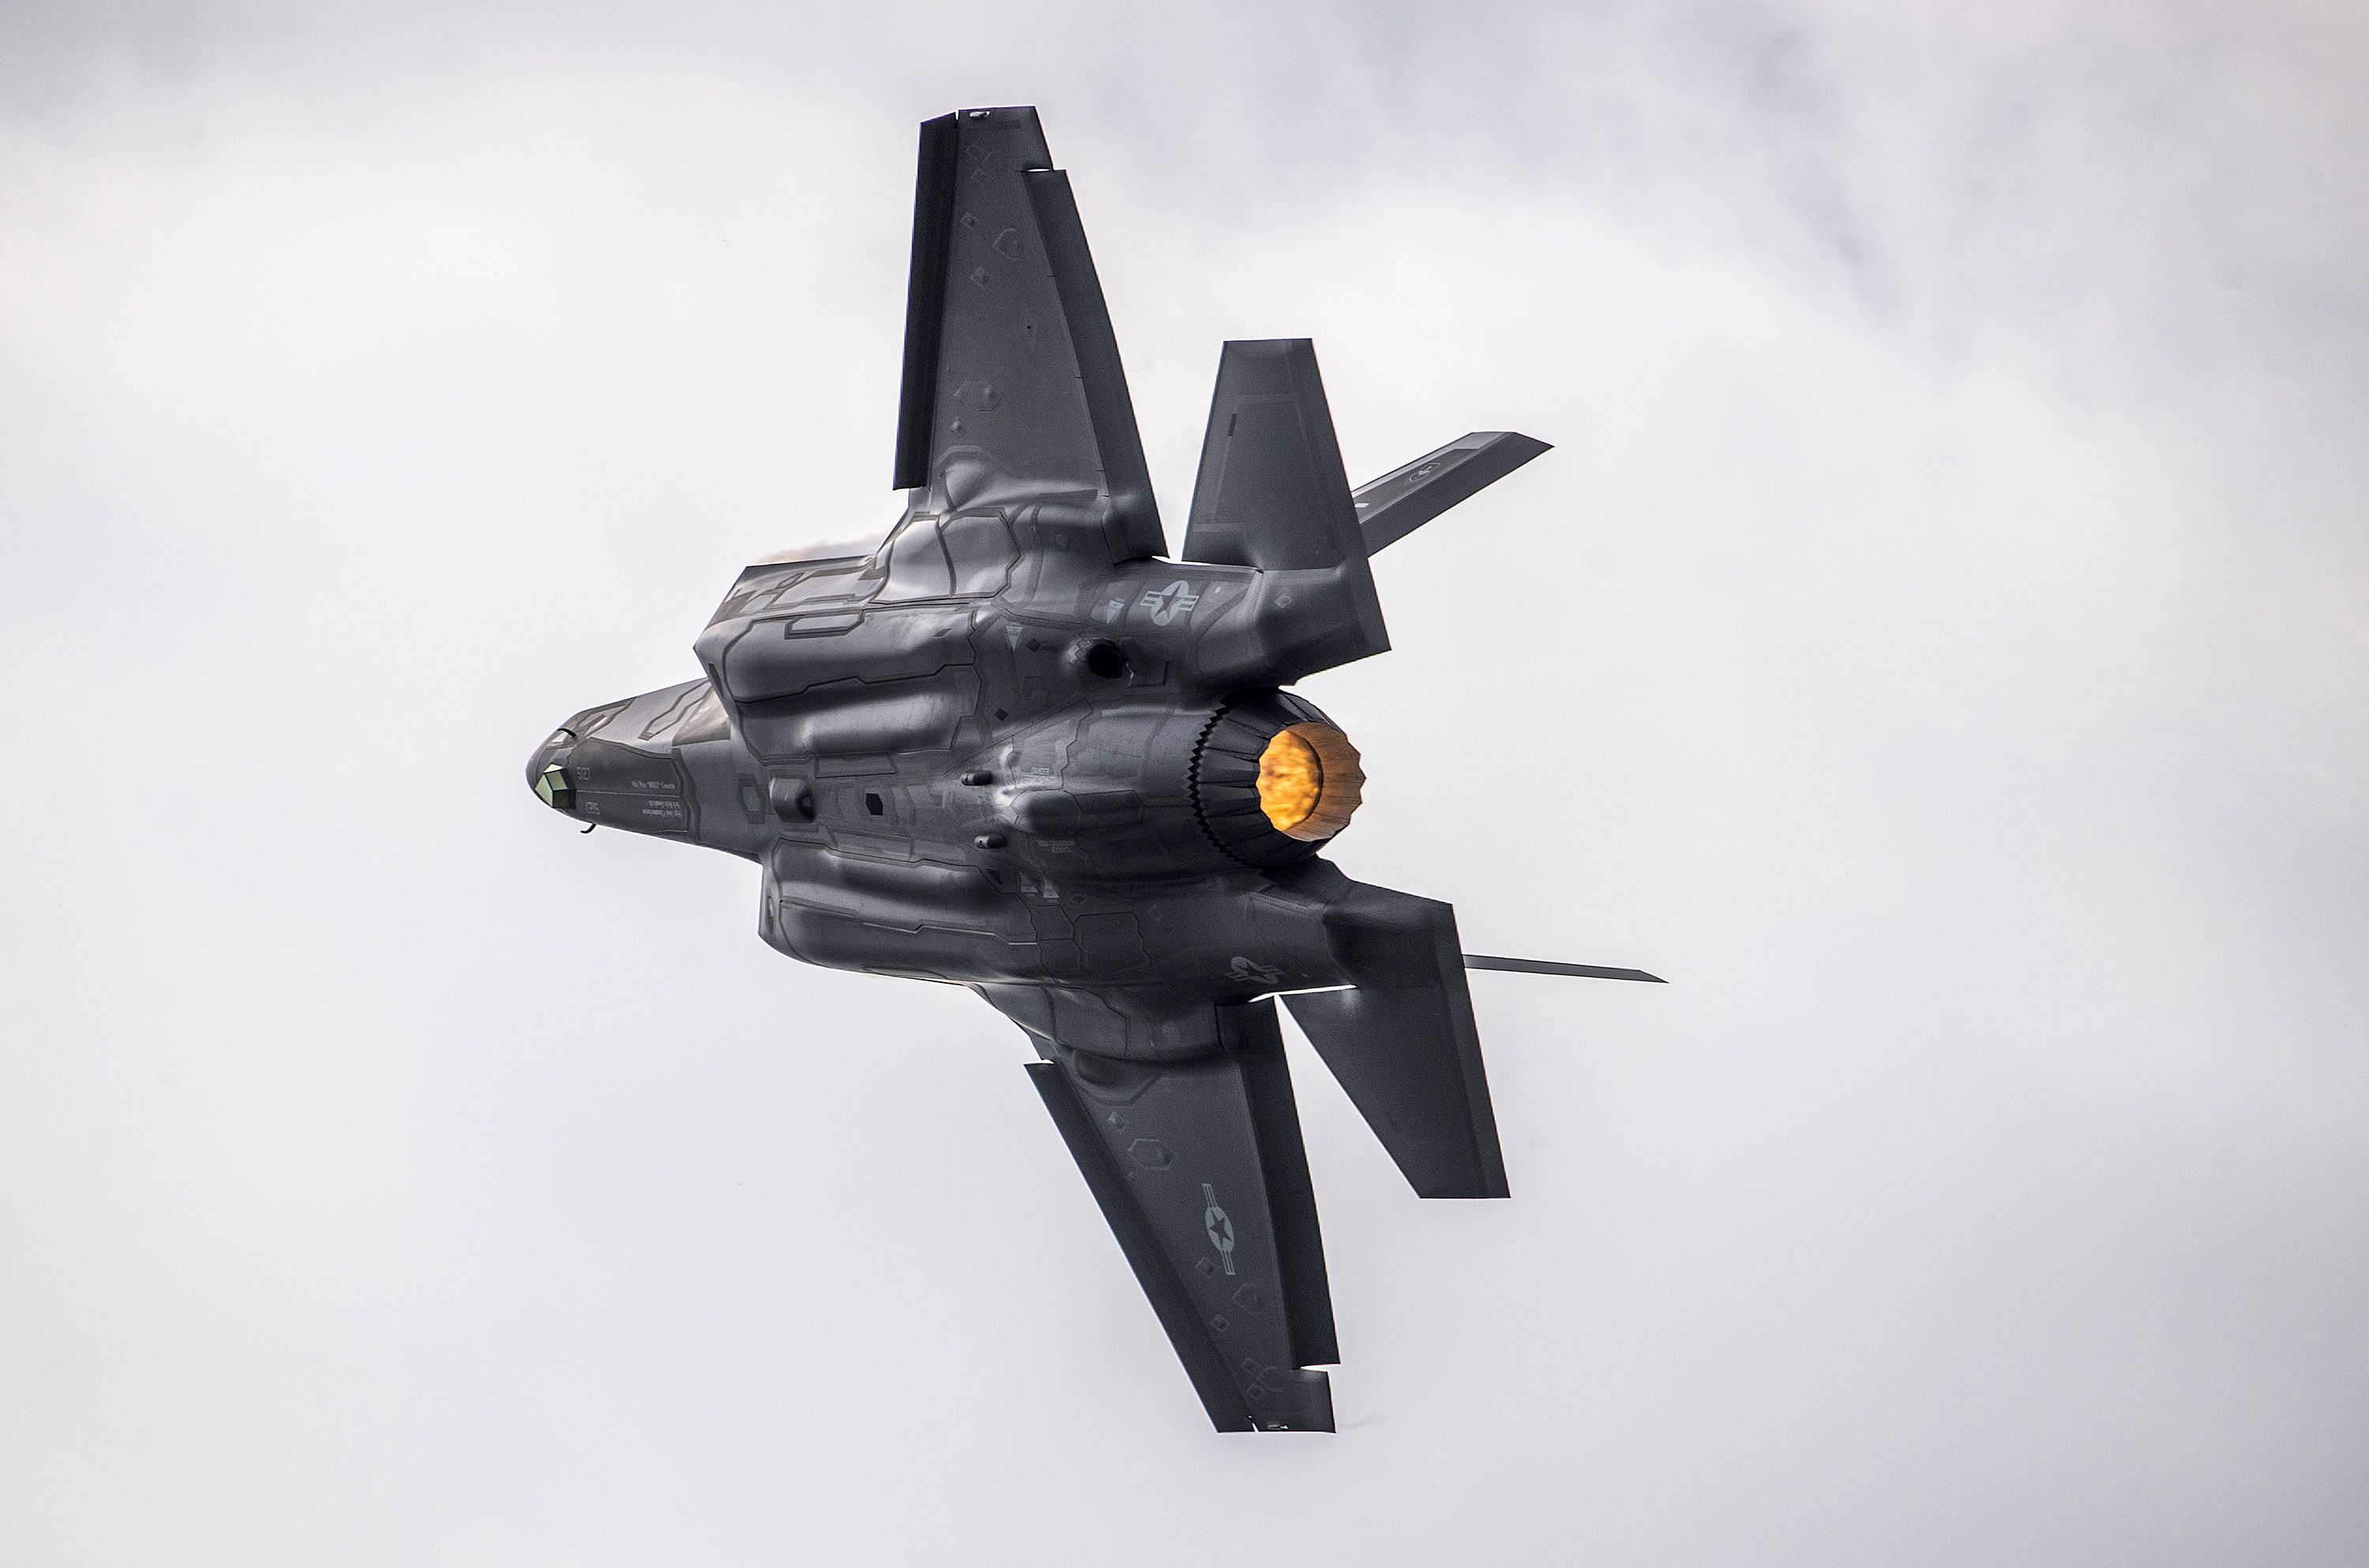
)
(1958, 521)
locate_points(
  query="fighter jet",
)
(1019, 747)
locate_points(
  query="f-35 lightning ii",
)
(1020, 749)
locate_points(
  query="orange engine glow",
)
(1290, 781)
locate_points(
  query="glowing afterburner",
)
(1309, 782)
(1289, 781)
(1023, 746)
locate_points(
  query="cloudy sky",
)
(1936, 644)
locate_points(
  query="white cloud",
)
(1936, 644)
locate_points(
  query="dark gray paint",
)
(1544, 966)
(1014, 749)
(1390, 508)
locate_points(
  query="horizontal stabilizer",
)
(1401, 1041)
(1542, 967)
(1199, 1168)
(1405, 498)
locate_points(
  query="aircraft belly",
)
(975, 926)
(922, 713)
(1015, 746)
(782, 656)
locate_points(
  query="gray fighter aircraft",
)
(1020, 749)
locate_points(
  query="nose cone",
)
(546, 771)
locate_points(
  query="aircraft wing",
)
(1009, 353)
(1199, 1169)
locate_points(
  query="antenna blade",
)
(1542, 967)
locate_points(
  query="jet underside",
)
(1019, 749)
